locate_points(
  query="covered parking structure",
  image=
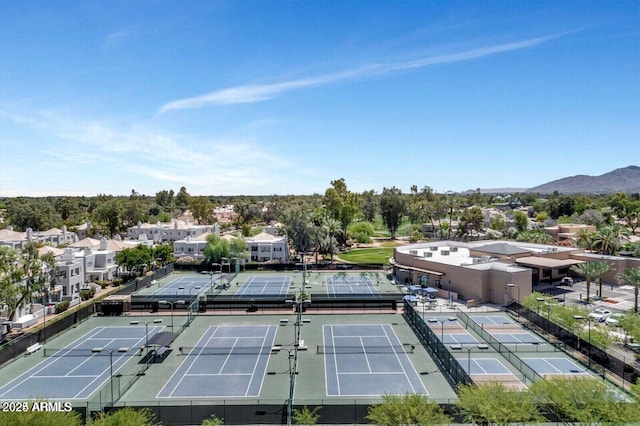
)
(547, 269)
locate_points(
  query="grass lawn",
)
(379, 255)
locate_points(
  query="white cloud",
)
(253, 93)
(142, 155)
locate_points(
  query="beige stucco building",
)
(493, 271)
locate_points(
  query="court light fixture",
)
(111, 352)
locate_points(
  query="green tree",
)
(341, 204)
(632, 276)
(165, 200)
(393, 208)
(306, 416)
(522, 221)
(601, 269)
(126, 417)
(407, 409)
(585, 239)
(108, 215)
(471, 219)
(216, 249)
(202, 210)
(608, 239)
(182, 199)
(24, 274)
(212, 421)
(300, 229)
(163, 252)
(31, 417)
(495, 404)
(330, 229)
(589, 271)
(583, 401)
(362, 231)
(136, 258)
(369, 205)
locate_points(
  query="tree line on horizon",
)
(340, 210)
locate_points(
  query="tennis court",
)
(264, 286)
(343, 285)
(82, 367)
(490, 370)
(191, 287)
(492, 319)
(554, 366)
(449, 331)
(367, 360)
(227, 362)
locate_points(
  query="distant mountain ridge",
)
(625, 179)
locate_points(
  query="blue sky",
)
(281, 97)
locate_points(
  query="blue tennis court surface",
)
(554, 366)
(450, 333)
(76, 371)
(187, 287)
(271, 286)
(349, 286)
(487, 366)
(227, 362)
(492, 319)
(367, 360)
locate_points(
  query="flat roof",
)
(546, 262)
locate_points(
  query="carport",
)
(545, 269)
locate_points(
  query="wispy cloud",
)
(116, 154)
(253, 93)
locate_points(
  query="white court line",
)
(406, 375)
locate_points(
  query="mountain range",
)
(626, 179)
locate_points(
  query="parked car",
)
(567, 281)
(600, 314)
(614, 319)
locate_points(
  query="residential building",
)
(266, 247)
(170, 232)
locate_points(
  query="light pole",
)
(44, 321)
(582, 318)
(172, 304)
(111, 351)
(292, 374)
(546, 302)
(469, 348)
(442, 321)
(146, 331)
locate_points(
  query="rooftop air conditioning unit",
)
(427, 254)
(413, 252)
(433, 248)
(445, 252)
(454, 249)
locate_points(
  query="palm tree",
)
(589, 271)
(601, 268)
(632, 276)
(585, 239)
(609, 238)
(332, 227)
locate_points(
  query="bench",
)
(161, 352)
(276, 348)
(284, 321)
(301, 345)
(33, 348)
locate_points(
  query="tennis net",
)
(52, 352)
(328, 349)
(224, 350)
